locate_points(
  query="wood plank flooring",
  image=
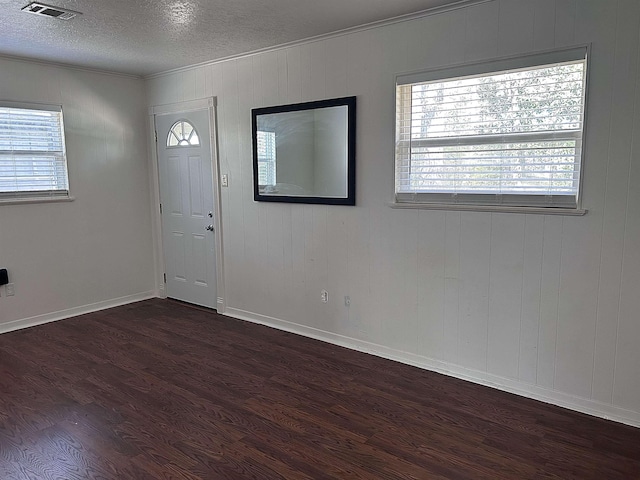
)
(162, 390)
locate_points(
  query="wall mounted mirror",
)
(305, 152)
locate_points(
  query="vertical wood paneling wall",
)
(72, 257)
(546, 306)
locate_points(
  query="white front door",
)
(186, 197)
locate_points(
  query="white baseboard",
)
(579, 404)
(73, 312)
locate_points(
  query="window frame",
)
(532, 203)
(40, 196)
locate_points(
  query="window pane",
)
(543, 168)
(32, 156)
(182, 134)
(514, 132)
(536, 100)
(266, 158)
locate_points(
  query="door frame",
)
(209, 104)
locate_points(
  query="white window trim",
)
(455, 207)
(460, 202)
(19, 198)
(25, 201)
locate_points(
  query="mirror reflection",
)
(304, 152)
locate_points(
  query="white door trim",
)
(159, 266)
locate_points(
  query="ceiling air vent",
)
(49, 11)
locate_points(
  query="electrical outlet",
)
(347, 300)
(225, 180)
(324, 296)
(10, 290)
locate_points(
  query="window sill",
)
(576, 212)
(23, 201)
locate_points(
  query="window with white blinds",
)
(32, 152)
(266, 158)
(507, 132)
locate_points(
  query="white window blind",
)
(266, 158)
(501, 133)
(32, 152)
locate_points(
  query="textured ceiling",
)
(149, 36)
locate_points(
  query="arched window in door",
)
(182, 134)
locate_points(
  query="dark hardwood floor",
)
(161, 390)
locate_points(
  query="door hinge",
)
(160, 209)
(165, 277)
(156, 136)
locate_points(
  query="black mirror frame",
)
(350, 199)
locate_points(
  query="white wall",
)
(67, 258)
(542, 305)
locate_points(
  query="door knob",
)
(209, 227)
